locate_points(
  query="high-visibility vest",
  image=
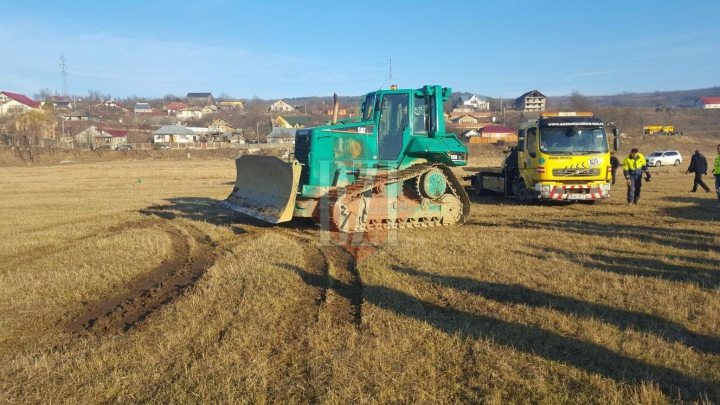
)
(631, 165)
(716, 170)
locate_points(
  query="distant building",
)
(189, 113)
(13, 103)
(478, 103)
(708, 102)
(142, 108)
(174, 107)
(281, 135)
(79, 115)
(174, 133)
(220, 126)
(113, 104)
(200, 98)
(495, 134)
(281, 106)
(465, 119)
(60, 102)
(232, 105)
(469, 134)
(531, 101)
(100, 137)
(209, 109)
(292, 121)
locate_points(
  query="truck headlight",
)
(546, 190)
(605, 188)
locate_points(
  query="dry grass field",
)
(124, 281)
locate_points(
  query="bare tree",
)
(42, 94)
(578, 102)
(97, 96)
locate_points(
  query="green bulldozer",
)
(389, 168)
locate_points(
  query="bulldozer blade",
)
(265, 188)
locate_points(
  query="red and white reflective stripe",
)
(540, 169)
(564, 195)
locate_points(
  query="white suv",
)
(660, 158)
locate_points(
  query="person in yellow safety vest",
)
(716, 172)
(633, 168)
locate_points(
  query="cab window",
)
(420, 115)
(531, 141)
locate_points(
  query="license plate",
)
(576, 197)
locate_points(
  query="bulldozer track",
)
(151, 291)
(374, 183)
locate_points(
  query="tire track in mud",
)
(335, 275)
(151, 291)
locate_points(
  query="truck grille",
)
(302, 155)
(576, 172)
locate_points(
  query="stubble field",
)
(124, 281)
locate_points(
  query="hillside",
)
(677, 98)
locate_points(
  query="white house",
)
(708, 102)
(189, 113)
(113, 104)
(174, 133)
(13, 103)
(281, 106)
(479, 103)
(99, 137)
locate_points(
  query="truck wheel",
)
(522, 193)
(479, 185)
(677, 162)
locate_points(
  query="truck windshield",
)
(573, 140)
(369, 107)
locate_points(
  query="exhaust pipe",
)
(336, 107)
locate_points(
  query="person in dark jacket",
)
(614, 164)
(698, 165)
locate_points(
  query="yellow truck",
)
(562, 156)
(659, 130)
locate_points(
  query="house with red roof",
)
(13, 103)
(708, 102)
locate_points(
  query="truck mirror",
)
(616, 144)
(616, 132)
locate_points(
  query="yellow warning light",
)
(393, 87)
(566, 114)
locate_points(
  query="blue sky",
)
(275, 49)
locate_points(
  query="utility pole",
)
(63, 74)
(502, 111)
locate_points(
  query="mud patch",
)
(192, 253)
(345, 292)
(333, 273)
